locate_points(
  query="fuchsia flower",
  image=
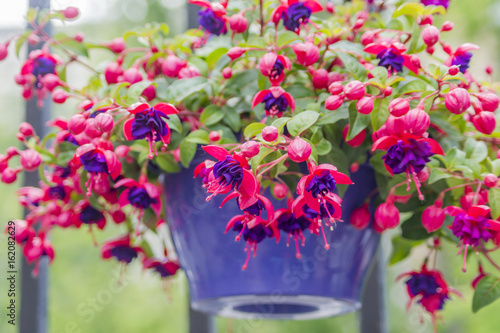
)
(121, 249)
(89, 215)
(273, 65)
(295, 13)
(213, 17)
(444, 3)
(141, 195)
(149, 123)
(163, 267)
(392, 56)
(461, 56)
(98, 162)
(275, 100)
(472, 227)
(294, 226)
(428, 288)
(37, 247)
(407, 153)
(316, 199)
(307, 53)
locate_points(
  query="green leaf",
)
(412, 86)
(380, 113)
(20, 41)
(285, 37)
(114, 92)
(214, 57)
(413, 228)
(323, 147)
(380, 72)
(409, 9)
(280, 123)
(437, 174)
(31, 15)
(263, 152)
(475, 150)
(187, 151)
(167, 163)
(353, 66)
(253, 129)
(180, 89)
(211, 115)
(174, 123)
(401, 248)
(487, 291)
(301, 122)
(494, 201)
(334, 116)
(199, 136)
(232, 118)
(357, 121)
(135, 90)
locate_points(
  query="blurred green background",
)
(144, 304)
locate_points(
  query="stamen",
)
(297, 247)
(245, 265)
(327, 246)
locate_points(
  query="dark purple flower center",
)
(471, 229)
(255, 235)
(292, 225)
(462, 61)
(124, 253)
(274, 106)
(162, 270)
(295, 15)
(401, 156)
(94, 162)
(210, 21)
(228, 172)
(95, 113)
(323, 214)
(41, 67)
(90, 215)
(391, 60)
(62, 172)
(57, 192)
(444, 3)
(277, 69)
(139, 197)
(422, 284)
(71, 139)
(149, 125)
(255, 209)
(321, 184)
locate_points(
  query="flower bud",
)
(30, 159)
(368, 37)
(415, 60)
(4, 163)
(457, 101)
(172, 65)
(188, 72)
(484, 122)
(307, 53)
(250, 148)
(387, 91)
(235, 52)
(423, 175)
(386, 217)
(395, 125)
(489, 70)
(59, 96)
(118, 216)
(357, 140)
(365, 105)
(27, 93)
(426, 19)
(467, 200)
(430, 35)
(79, 37)
(90, 128)
(112, 72)
(11, 151)
(280, 191)
(354, 90)
(104, 122)
(335, 88)
(149, 93)
(122, 151)
(117, 45)
(299, 150)
(453, 70)
(51, 81)
(333, 102)
(70, 12)
(3, 51)
(26, 129)
(430, 50)
(490, 180)
(238, 23)
(433, 218)
(360, 217)
(9, 175)
(417, 121)
(214, 136)
(330, 7)
(76, 124)
(320, 78)
(270, 133)
(447, 26)
(489, 101)
(132, 75)
(399, 107)
(227, 73)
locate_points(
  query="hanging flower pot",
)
(276, 284)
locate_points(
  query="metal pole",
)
(33, 312)
(373, 315)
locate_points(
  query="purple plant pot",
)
(276, 285)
